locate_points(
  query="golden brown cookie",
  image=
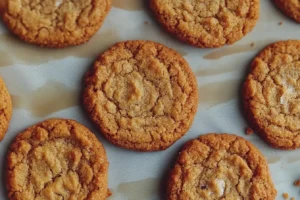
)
(220, 166)
(6, 109)
(141, 95)
(207, 23)
(55, 23)
(271, 94)
(57, 159)
(290, 7)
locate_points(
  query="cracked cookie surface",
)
(55, 23)
(6, 109)
(207, 23)
(220, 166)
(290, 7)
(57, 159)
(271, 94)
(141, 95)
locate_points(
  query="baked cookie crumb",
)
(249, 131)
(109, 193)
(285, 195)
(297, 183)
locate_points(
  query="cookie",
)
(141, 95)
(57, 159)
(271, 94)
(6, 109)
(220, 166)
(290, 7)
(207, 24)
(55, 23)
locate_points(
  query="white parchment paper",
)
(46, 83)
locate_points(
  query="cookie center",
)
(204, 8)
(284, 90)
(231, 179)
(132, 93)
(57, 169)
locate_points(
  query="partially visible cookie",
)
(57, 159)
(207, 24)
(142, 95)
(271, 94)
(290, 7)
(220, 166)
(55, 23)
(6, 109)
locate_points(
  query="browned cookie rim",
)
(6, 112)
(289, 9)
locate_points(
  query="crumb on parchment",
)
(249, 131)
(280, 23)
(109, 193)
(285, 195)
(297, 183)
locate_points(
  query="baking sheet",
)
(46, 83)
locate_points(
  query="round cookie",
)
(57, 159)
(142, 95)
(220, 166)
(6, 109)
(271, 94)
(207, 24)
(55, 23)
(290, 7)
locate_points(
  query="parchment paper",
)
(46, 83)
